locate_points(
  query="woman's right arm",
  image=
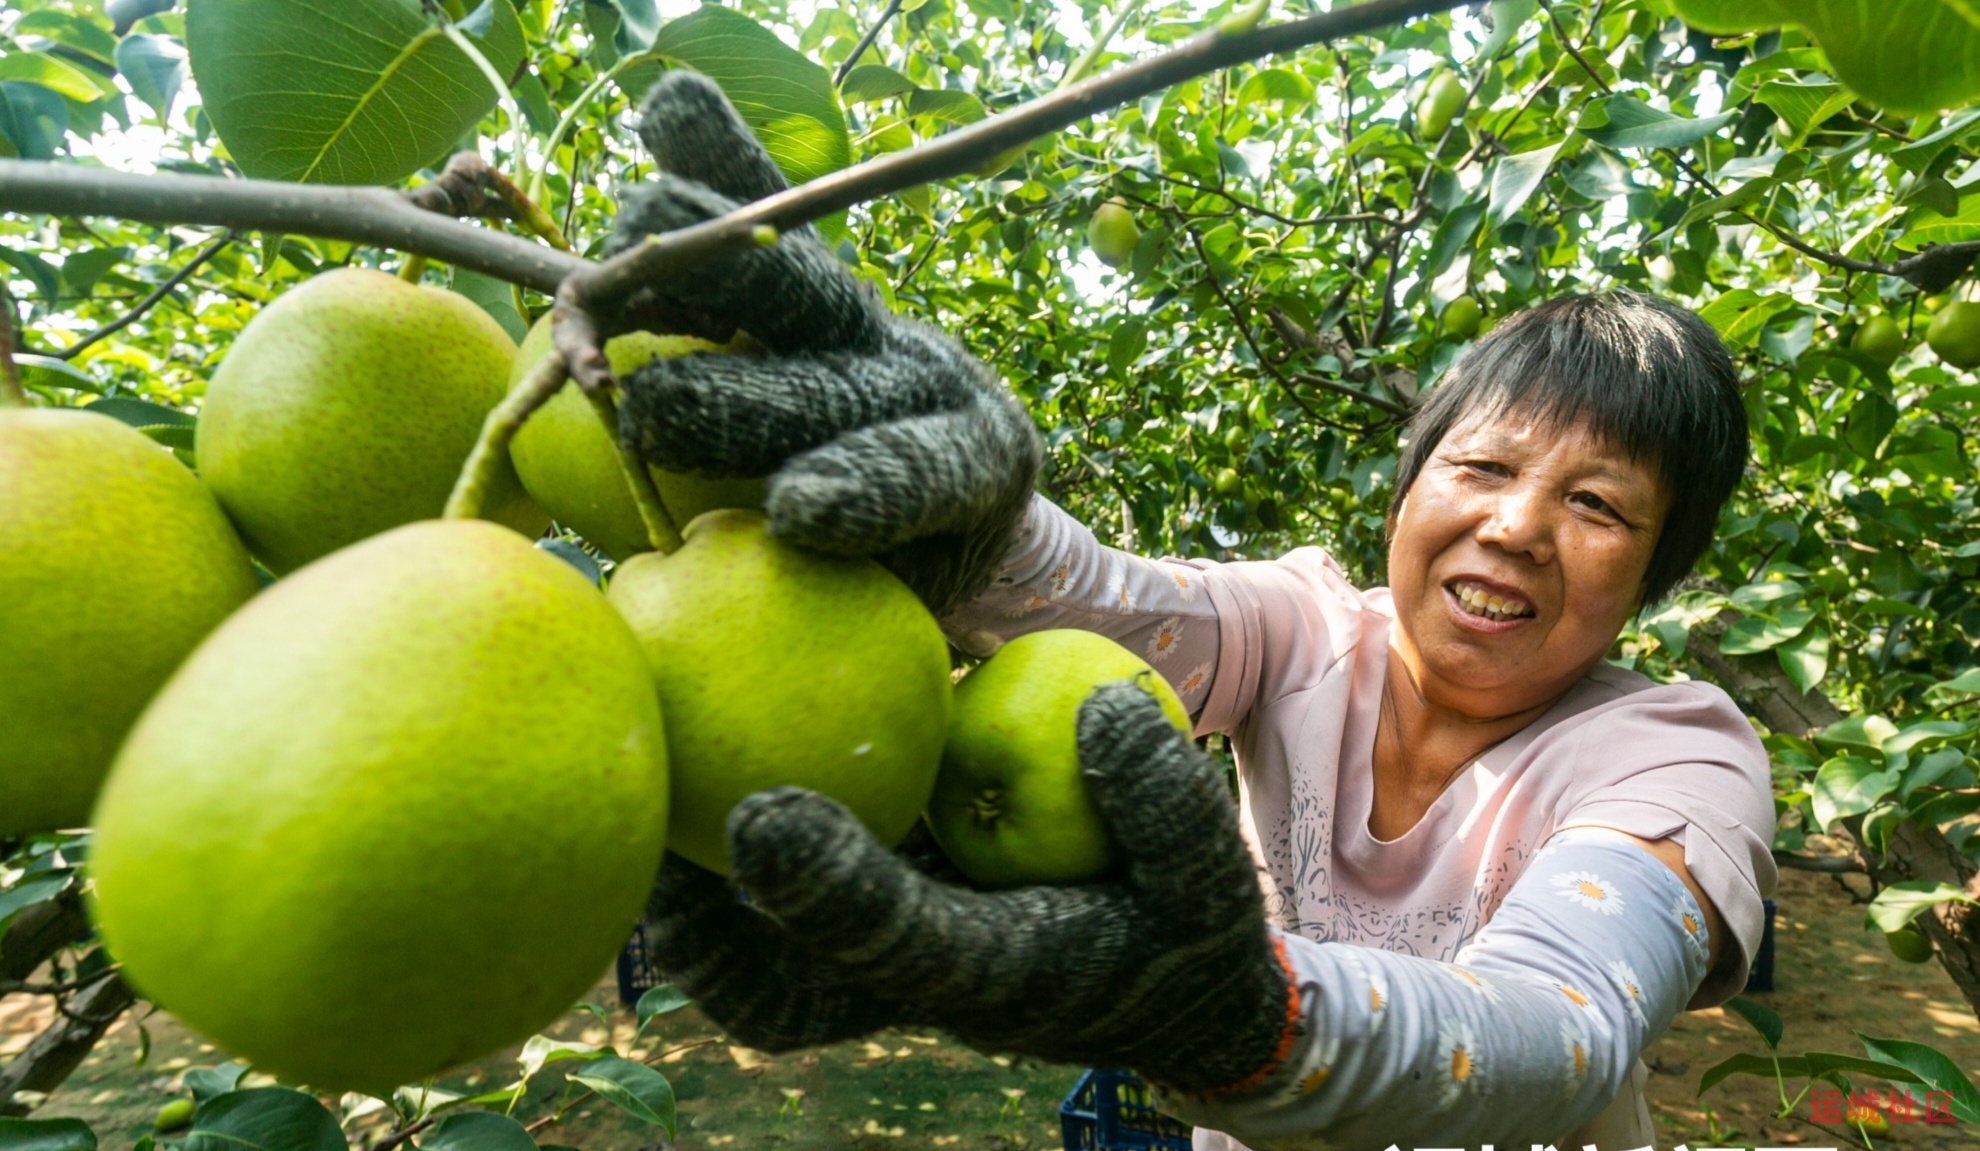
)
(1058, 575)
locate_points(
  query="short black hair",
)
(1644, 374)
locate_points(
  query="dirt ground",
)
(911, 1091)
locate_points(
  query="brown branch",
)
(865, 42)
(374, 216)
(37, 932)
(470, 186)
(150, 301)
(12, 395)
(402, 1134)
(55, 1053)
(1822, 864)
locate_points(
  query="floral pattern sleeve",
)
(1058, 575)
(1526, 1034)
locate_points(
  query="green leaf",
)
(1906, 55)
(661, 1000)
(1808, 1066)
(71, 30)
(1125, 345)
(1967, 681)
(1507, 17)
(477, 1131)
(264, 1119)
(1760, 1017)
(1804, 105)
(1276, 85)
(1900, 903)
(636, 1088)
(1805, 658)
(494, 297)
(1627, 122)
(1847, 785)
(26, 895)
(542, 1050)
(784, 98)
(340, 91)
(47, 278)
(1743, 196)
(1865, 733)
(1741, 314)
(1926, 226)
(211, 1082)
(49, 372)
(1515, 177)
(1933, 1069)
(33, 120)
(155, 67)
(58, 76)
(141, 413)
(870, 82)
(945, 105)
(46, 1135)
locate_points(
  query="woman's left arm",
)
(1527, 1034)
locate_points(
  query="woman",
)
(1493, 867)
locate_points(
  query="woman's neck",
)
(1421, 746)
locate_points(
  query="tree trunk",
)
(1916, 853)
(59, 1050)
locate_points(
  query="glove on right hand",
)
(1167, 968)
(881, 436)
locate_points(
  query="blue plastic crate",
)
(1110, 1111)
(636, 972)
(1760, 977)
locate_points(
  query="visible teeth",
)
(1483, 603)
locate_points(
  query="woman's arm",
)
(1528, 1034)
(1058, 575)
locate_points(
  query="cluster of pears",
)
(401, 807)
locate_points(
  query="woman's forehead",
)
(1526, 430)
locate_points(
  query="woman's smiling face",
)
(1519, 553)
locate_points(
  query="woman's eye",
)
(1489, 467)
(1594, 503)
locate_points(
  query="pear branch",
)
(150, 301)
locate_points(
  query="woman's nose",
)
(1521, 521)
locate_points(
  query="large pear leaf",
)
(341, 91)
(784, 98)
(1907, 55)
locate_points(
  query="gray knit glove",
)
(881, 436)
(1167, 968)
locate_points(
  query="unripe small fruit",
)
(1909, 944)
(1229, 483)
(1113, 233)
(1869, 1119)
(1461, 317)
(1238, 440)
(174, 1115)
(1932, 303)
(1439, 105)
(1879, 339)
(1954, 333)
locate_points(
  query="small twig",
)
(865, 42)
(9, 987)
(402, 1134)
(12, 395)
(1825, 864)
(157, 294)
(470, 186)
(491, 448)
(1243, 323)
(661, 531)
(547, 1120)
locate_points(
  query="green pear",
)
(1010, 807)
(1462, 317)
(571, 467)
(778, 665)
(1442, 98)
(1112, 233)
(1954, 333)
(1880, 339)
(347, 408)
(114, 563)
(398, 812)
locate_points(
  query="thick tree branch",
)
(37, 933)
(150, 301)
(376, 216)
(57, 1052)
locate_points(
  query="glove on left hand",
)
(1168, 968)
(881, 436)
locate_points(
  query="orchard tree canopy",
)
(1318, 234)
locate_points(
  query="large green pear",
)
(398, 812)
(114, 563)
(568, 463)
(778, 665)
(347, 408)
(1010, 806)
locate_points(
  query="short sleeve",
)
(1680, 762)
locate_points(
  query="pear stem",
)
(12, 395)
(491, 448)
(661, 530)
